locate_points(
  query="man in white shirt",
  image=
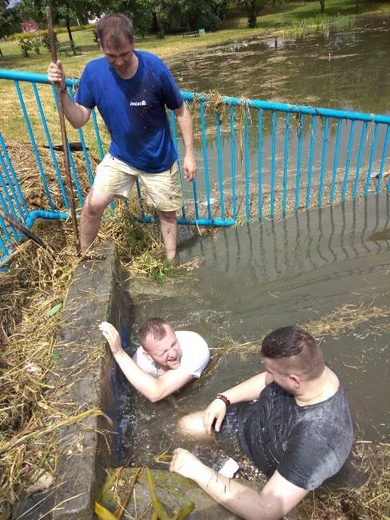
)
(166, 360)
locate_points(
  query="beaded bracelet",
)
(224, 399)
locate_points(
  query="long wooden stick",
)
(69, 183)
(20, 227)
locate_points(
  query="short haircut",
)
(297, 351)
(113, 29)
(154, 327)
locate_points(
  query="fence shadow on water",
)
(255, 159)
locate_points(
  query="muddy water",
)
(316, 269)
(341, 70)
(327, 269)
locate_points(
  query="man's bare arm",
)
(151, 387)
(76, 114)
(274, 501)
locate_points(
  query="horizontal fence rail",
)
(256, 159)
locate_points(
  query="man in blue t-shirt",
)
(293, 421)
(131, 90)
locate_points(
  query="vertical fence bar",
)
(285, 162)
(383, 161)
(233, 160)
(220, 168)
(273, 162)
(371, 160)
(176, 142)
(323, 161)
(299, 159)
(348, 161)
(205, 156)
(359, 161)
(311, 155)
(335, 162)
(246, 164)
(260, 163)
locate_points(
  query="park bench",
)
(191, 34)
(68, 47)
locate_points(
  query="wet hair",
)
(297, 351)
(154, 327)
(113, 29)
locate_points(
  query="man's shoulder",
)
(188, 337)
(99, 62)
(151, 61)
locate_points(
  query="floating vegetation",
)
(319, 23)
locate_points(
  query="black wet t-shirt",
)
(306, 444)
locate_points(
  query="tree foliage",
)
(9, 19)
(65, 12)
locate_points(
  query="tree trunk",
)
(68, 28)
(252, 15)
(155, 27)
(322, 2)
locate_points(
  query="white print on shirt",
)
(138, 103)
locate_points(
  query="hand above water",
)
(112, 336)
(185, 464)
(214, 415)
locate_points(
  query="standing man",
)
(131, 90)
(165, 361)
(293, 421)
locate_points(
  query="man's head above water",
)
(160, 343)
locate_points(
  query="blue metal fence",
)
(256, 159)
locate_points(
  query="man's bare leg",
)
(193, 424)
(92, 212)
(169, 231)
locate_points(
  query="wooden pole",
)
(69, 183)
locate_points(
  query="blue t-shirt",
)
(134, 110)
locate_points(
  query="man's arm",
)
(245, 391)
(185, 122)
(151, 387)
(274, 501)
(76, 114)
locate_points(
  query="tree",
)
(9, 19)
(322, 3)
(253, 8)
(192, 14)
(65, 12)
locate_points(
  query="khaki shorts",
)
(117, 178)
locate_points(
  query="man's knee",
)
(95, 204)
(193, 424)
(167, 216)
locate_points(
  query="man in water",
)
(131, 90)
(293, 421)
(166, 360)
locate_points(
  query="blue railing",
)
(256, 159)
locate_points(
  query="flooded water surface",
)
(341, 70)
(325, 269)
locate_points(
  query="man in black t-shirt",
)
(293, 421)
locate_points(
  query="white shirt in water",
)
(194, 358)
